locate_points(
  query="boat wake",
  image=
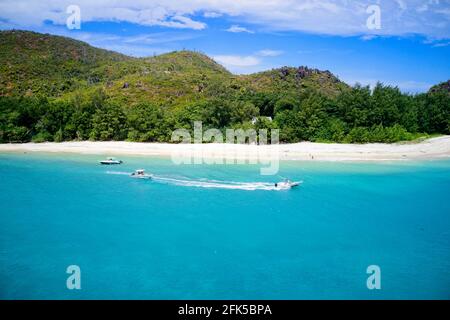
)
(119, 173)
(211, 184)
(249, 186)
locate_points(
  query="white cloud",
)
(241, 64)
(140, 45)
(212, 14)
(135, 50)
(333, 17)
(237, 29)
(422, 8)
(444, 11)
(29, 13)
(183, 22)
(237, 61)
(413, 86)
(401, 4)
(244, 64)
(269, 53)
(368, 37)
(441, 44)
(157, 38)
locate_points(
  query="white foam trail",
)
(118, 172)
(205, 183)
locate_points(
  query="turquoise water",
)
(189, 235)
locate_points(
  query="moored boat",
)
(111, 161)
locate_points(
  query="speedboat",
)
(140, 174)
(111, 161)
(287, 184)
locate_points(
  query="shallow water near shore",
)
(222, 231)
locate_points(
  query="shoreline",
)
(431, 149)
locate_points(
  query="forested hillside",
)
(55, 89)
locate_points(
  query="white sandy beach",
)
(435, 148)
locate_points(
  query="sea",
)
(71, 228)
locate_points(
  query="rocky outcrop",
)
(444, 86)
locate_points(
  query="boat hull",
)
(142, 177)
(110, 163)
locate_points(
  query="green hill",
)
(35, 63)
(296, 79)
(40, 63)
(56, 88)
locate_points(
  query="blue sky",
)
(410, 47)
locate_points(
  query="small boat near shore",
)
(111, 161)
(287, 184)
(140, 174)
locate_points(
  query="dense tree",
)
(434, 112)
(109, 123)
(332, 130)
(385, 105)
(285, 104)
(146, 123)
(353, 106)
(265, 102)
(356, 115)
